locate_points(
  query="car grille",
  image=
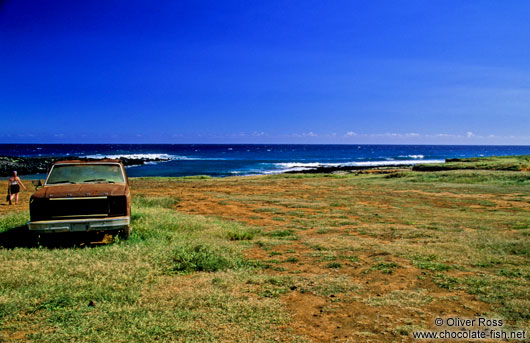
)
(64, 208)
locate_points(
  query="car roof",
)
(89, 161)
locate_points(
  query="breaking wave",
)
(412, 156)
(151, 157)
(136, 156)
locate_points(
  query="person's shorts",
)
(15, 189)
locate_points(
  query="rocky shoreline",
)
(40, 165)
(347, 169)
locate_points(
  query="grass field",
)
(291, 258)
(513, 163)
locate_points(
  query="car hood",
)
(81, 190)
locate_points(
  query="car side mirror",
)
(37, 184)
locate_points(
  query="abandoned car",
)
(83, 195)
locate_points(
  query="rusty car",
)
(83, 195)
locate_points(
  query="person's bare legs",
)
(11, 198)
(16, 198)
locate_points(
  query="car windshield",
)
(85, 173)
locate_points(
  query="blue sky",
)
(407, 72)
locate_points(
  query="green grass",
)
(461, 235)
(385, 267)
(241, 235)
(198, 257)
(512, 163)
(13, 220)
(461, 231)
(287, 234)
(268, 210)
(159, 285)
(429, 262)
(445, 281)
(464, 177)
(165, 202)
(193, 177)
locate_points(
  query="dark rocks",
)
(24, 165)
(40, 165)
(344, 169)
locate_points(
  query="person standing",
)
(13, 187)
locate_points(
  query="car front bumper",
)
(79, 225)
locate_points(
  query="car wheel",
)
(125, 233)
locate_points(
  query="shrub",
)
(201, 257)
(246, 235)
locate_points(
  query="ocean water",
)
(252, 159)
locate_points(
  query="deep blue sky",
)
(449, 72)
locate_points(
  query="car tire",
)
(125, 233)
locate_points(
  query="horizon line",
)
(403, 144)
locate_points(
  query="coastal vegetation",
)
(514, 163)
(366, 256)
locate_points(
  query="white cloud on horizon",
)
(411, 138)
(305, 134)
(261, 137)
